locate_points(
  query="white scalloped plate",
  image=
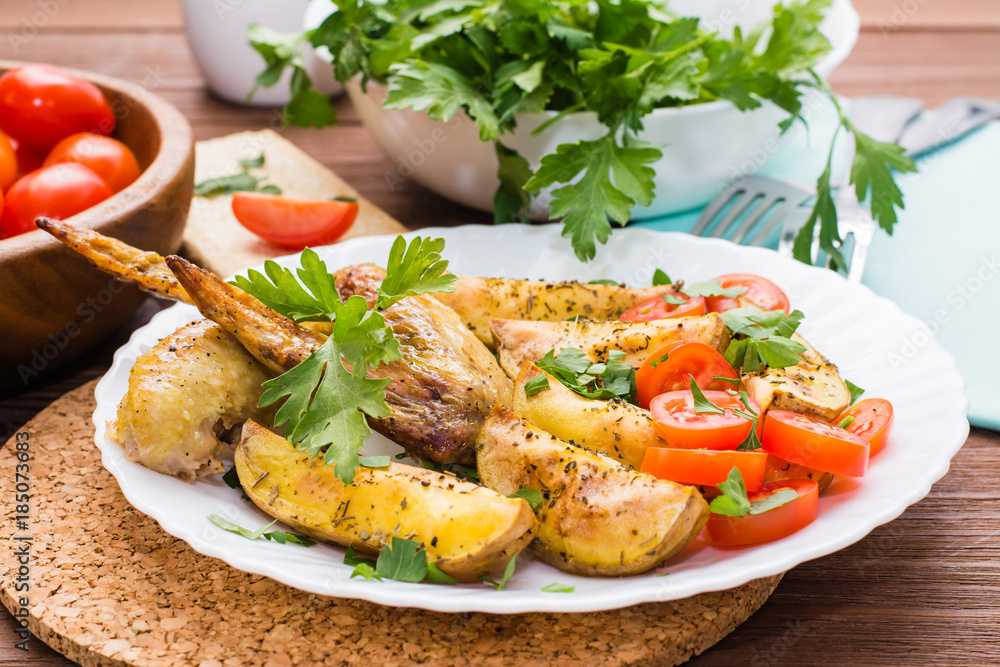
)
(856, 329)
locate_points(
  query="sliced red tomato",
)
(873, 420)
(108, 158)
(657, 308)
(294, 223)
(676, 421)
(59, 191)
(670, 369)
(760, 290)
(704, 467)
(814, 443)
(741, 531)
(8, 163)
(41, 105)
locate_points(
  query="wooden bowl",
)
(53, 304)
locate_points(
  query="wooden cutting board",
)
(109, 587)
(215, 240)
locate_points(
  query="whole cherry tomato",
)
(108, 158)
(27, 160)
(8, 163)
(41, 105)
(59, 192)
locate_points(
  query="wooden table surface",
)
(924, 589)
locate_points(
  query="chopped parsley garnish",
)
(659, 360)
(253, 162)
(241, 182)
(712, 288)
(402, 560)
(457, 469)
(856, 391)
(701, 404)
(762, 339)
(661, 278)
(558, 588)
(535, 385)
(508, 572)
(374, 461)
(604, 281)
(733, 381)
(735, 502)
(533, 497)
(278, 536)
(752, 442)
(327, 396)
(572, 368)
(674, 300)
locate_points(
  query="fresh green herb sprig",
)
(326, 397)
(856, 391)
(762, 339)
(279, 536)
(572, 368)
(735, 502)
(401, 560)
(241, 182)
(533, 497)
(494, 59)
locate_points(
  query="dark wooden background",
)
(924, 589)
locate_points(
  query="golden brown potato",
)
(615, 428)
(813, 387)
(520, 340)
(597, 517)
(477, 300)
(468, 530)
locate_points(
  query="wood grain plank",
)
(935, 15)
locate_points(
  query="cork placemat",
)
(109, 587)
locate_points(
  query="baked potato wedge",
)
(617, 429)
(813, 387)
(597, 517)
(517, 341)
(468, 530)
(477, 300)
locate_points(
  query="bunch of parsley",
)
(619, 59)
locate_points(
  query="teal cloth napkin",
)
(942, 263)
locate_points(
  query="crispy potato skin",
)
(477, 300)
(518, 341)
(468, 530)
(597, 517)
(813, 387)
(614, 428)
(185, 392)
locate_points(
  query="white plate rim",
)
(471, 598)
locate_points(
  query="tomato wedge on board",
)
(294, 223)
(670, 369)
(676, 421)
(657, 308)
(814, 443)
(704, 467)
(873, 421)
(741, 531)
(760, 290)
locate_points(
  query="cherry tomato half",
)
(673, 373)
(760, 290)
(294, 223)
(108, 158)
(704, 467)
(741, 531)
(814, 443)
(676, 421)
(41, 105)
(8, 163)
(58, 192)
(873, 420)
(657, 308)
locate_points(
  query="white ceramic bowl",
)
(704, 143)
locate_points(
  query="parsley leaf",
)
(508, 572)
(752, 441)
(612, 179)
(558, 588)
(533, 497)
(402, 560)
(733, 501)
(674, 300)
(280, 291)
(655, 362)
(661, 278)
(414, 269)
(766, 339)
(365, 570)
(253, 162)
(773, 501)
(572, 368)
(278, 536)
(352, 558)
(436, 576)
(856, 391)
(603, 281)
(441, 91)
(701, 404)
(226, 185)
(374, 461)
(712, 288)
